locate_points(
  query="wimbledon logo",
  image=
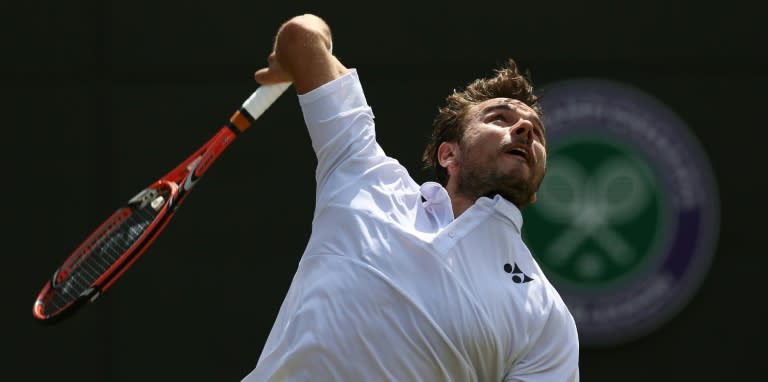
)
(627, 217)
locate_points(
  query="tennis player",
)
(408, 282)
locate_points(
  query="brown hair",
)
(448, 125)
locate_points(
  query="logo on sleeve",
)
(518, 277)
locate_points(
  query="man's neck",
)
(460, 204)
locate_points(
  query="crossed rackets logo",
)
(627, 216)
(589, 205)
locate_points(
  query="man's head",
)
(488, 139)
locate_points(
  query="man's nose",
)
(523, 128)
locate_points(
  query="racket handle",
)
(263, 98)
(265, 95)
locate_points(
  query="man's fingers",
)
(262, 76)
(267, 76)
(273, 73)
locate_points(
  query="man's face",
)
(502, 152)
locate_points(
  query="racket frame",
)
(179, 183)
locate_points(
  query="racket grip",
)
(263, 97)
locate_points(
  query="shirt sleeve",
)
(341, 128)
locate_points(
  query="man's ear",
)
(448, 155)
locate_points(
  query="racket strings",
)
(104, 251)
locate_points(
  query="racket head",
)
(107, 252)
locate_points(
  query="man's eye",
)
(498, 117)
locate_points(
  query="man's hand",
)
(302, 55)
(273, 73)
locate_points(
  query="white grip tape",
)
(265, 95)
(263, 98)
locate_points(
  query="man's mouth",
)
(520, 151)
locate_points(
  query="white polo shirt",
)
(393, 288)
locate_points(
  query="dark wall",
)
(101, 98)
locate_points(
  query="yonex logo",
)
(518, 277)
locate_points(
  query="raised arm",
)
(302, 55)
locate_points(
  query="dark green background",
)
(99, 98)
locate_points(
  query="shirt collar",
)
(438, 202)
(506, 209)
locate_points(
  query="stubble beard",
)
(476, 181)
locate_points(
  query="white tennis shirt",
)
(393, 288)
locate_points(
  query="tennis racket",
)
(116, 244)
